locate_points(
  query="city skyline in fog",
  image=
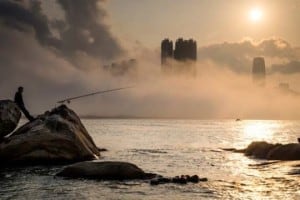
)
(57, 49)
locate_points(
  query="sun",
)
(256, 15)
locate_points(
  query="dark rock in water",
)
(164, 180)
(180, 180)
(264, 150)
(55, 137)
(234, 150)
(112, 170)
(285, 152)
(259, 149)
(294, 172)
(108, 170)
(155, 182)
(203, 179)
(102, 149)
(193, 179)
(160, 180)
(10, 116)
(183, 179)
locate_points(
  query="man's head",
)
(20, 89)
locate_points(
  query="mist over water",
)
(54, 58)
(31, 56)
(215, 92)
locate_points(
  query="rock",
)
(285, 152)
(203, 179)
(101, 149)
(180, 180)
(193, 179)
(160, 180)
(294, 172)
(55, 137)
(264, 150)
(108, 170)
(259, 149)
(10, 116)
(183, 179)
(154, 182)
(164, 180)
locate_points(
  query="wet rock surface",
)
(264, 150)
(10, 116)
(183, 179)
(58, 137)
(113, 170)
(108, 170)
(55, 137)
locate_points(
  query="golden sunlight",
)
(259, 130)
(256, 15)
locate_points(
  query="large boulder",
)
(10, 116)
(55, 137)
(114, 170)
(264, 150)
(108, 170)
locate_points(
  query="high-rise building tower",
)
(166, 51)
(185, 50)
(259, 71)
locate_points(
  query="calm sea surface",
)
(170, 148)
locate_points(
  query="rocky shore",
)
(59, 137)
(55, 137)
(264, 150)
(10, 116)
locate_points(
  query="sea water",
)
(171, 148)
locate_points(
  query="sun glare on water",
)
(259, 130)
(256, 15)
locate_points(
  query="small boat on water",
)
(238, 119)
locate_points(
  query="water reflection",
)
(170, 148)
(251, 180)
(260, 130)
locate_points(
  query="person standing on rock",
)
(19, 101)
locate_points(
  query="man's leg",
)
(26, 113)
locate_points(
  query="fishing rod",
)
(68, 100)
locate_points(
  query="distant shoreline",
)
(174, 118)
(179, 118)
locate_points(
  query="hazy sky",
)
(205, 20)
(57, 49)
(148, 21)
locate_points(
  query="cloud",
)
(85, 30)
(82, 34)
(287, 68)
(48, 65)
(215, 93)
(238, 56)
(17, 16)
(47, 57)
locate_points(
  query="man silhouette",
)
(19, 101)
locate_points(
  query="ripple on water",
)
(170, 148)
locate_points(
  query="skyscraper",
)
(259, 71)
(185, 51)
(166, 51)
